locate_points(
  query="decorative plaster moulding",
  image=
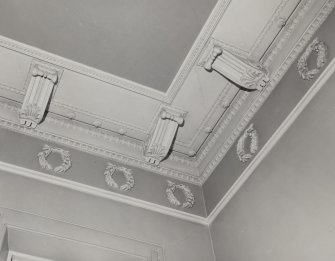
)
(207, 167)
(128, 85)
(44, 154)
(19, 228)
(161, 140)
(272, 141)
(197, 169)
(242, 154)
(42, 80)
(189, 197)
(320, 49)
(8, 120)
(111, 169)
(17, 256)
(313, 91)
(102, 193)
(244, 73)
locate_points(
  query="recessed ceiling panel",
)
(144, 41)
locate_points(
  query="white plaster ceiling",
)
(144, 41)
(143, 55)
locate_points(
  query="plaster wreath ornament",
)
(44, 154)
(320, 49)
(111, 170)
(240, 148)
(189, 197)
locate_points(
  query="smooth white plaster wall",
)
(181, 240)
(285, 211)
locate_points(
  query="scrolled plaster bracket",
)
(41, 83)
(161, 140)
(241, 71)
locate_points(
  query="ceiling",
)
(142, 41)
(121, 63)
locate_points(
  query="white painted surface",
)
(181, 240)
(285, 209)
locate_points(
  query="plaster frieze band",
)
(320, 49)
(161, 140)
(42, 81)
(189, 197)
(244, 73)
(44, 154)
(242, 154)
(111, 170)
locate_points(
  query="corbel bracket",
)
(161, 140)
(42, 80)
(247, 74)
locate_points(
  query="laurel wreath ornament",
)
(44, 154)
(240, 148)
(111, 170)
(189, 197)
(321, 50)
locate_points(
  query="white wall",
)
(181, 240)
(285, 211)
(273, 112)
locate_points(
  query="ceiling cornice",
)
(306, 99)
(54, 127)
(207, 168)
(130, 151)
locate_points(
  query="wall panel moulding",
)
(244, 73)
(22, 234)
